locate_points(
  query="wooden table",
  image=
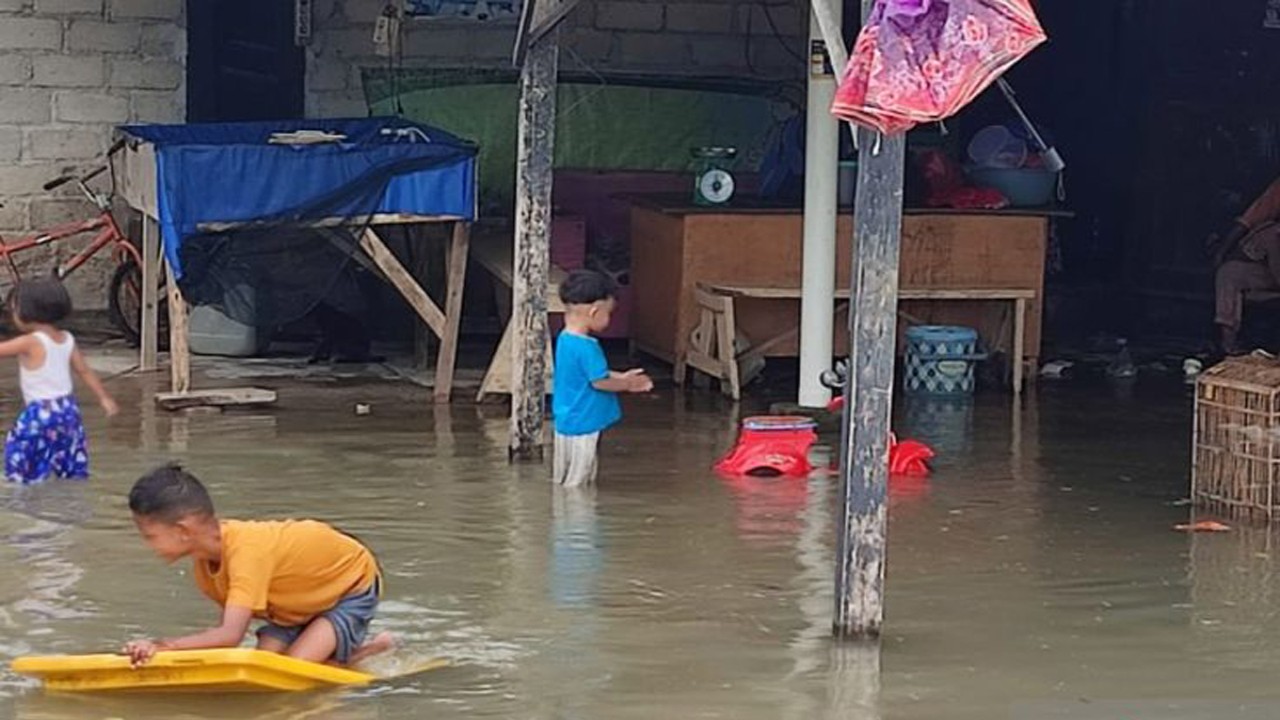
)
(496, 254)
(136, 174)
(711, 343)
(676, 246)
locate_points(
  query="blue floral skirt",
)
(48, 439)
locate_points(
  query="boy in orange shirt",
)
(316, 588)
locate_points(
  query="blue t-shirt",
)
(577, 406)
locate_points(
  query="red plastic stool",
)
(772, 445)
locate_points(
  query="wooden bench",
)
(711, 344)
(497, 256)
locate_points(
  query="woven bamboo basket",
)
(1235, 464)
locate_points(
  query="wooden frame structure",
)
(138, 185)
(711, 347)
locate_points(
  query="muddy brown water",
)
(1036, 565)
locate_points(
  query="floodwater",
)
(1036, 566)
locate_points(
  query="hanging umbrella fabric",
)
(919, 61)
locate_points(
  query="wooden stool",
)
(711, 344)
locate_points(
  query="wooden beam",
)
(399, 277)
(447, 360)
(179, 342)
(149, 325)
(860, 571)
(535, 149)
(221, 397)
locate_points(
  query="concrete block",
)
(81, 107)
(361, 11)
(437, 42)
(24, 106)
(23, 33)
(653, 50)
(157, 106)
(149, 9)
(492, 44)
(150, 74)
(10, 143)
(14, 5)
(47, 212)
(108, 37)
(720, 52)
(13, 216)
(350, 42)
(15, 68)
(70, 7)
(65, 143)
(349, 103)
(790, 20)
(26, 179)
(774, 59)
(68, 71)
(164, 40)
(635, 16)
(323, 76)
(700, 18)
(590, 45)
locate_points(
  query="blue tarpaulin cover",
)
(229, 173)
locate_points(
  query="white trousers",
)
(575, 462)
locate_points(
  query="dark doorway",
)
(242, 62)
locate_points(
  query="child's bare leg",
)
(272, 644)
(317, 643)
(382, 642)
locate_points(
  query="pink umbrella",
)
(919, 61)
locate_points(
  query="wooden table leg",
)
(1019, 343)
(725, 335)
(149, 325)
(447, 360)
(179, 345)
(399, 277)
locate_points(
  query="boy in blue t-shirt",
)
(585, 391)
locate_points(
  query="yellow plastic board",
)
(222, 670)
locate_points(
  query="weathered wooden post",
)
(864, 452)
(537, 54)
(535, 147)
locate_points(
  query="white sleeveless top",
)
(53, 379)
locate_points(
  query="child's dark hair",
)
(584, 287)
(168, 494)
(42, 300)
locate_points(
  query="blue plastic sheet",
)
(230, 173)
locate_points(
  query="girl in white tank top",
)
(48, 438)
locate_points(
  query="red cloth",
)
(948, 185)
(919, 61)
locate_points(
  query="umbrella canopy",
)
(919, 61)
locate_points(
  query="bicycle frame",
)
(104, 225)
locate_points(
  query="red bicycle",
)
(124, 300)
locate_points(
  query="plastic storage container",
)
(213, 333)
(940, 359)
(1024, 187)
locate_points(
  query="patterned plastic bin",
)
(940, 360)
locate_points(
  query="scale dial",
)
(716, 186)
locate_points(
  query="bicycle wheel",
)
(124, 303)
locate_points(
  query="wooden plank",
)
(1019, 343)
(149, 327)
(403, 281)
(860, 561)
(535, 149)
(497, 256)
(179, 340)
(793, 293)
(221, 397)
(375, 220)
(447, 360)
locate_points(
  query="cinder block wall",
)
(70, 71)
(734, 38)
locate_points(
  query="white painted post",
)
(821, 177)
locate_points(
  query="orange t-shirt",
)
(287, 571)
